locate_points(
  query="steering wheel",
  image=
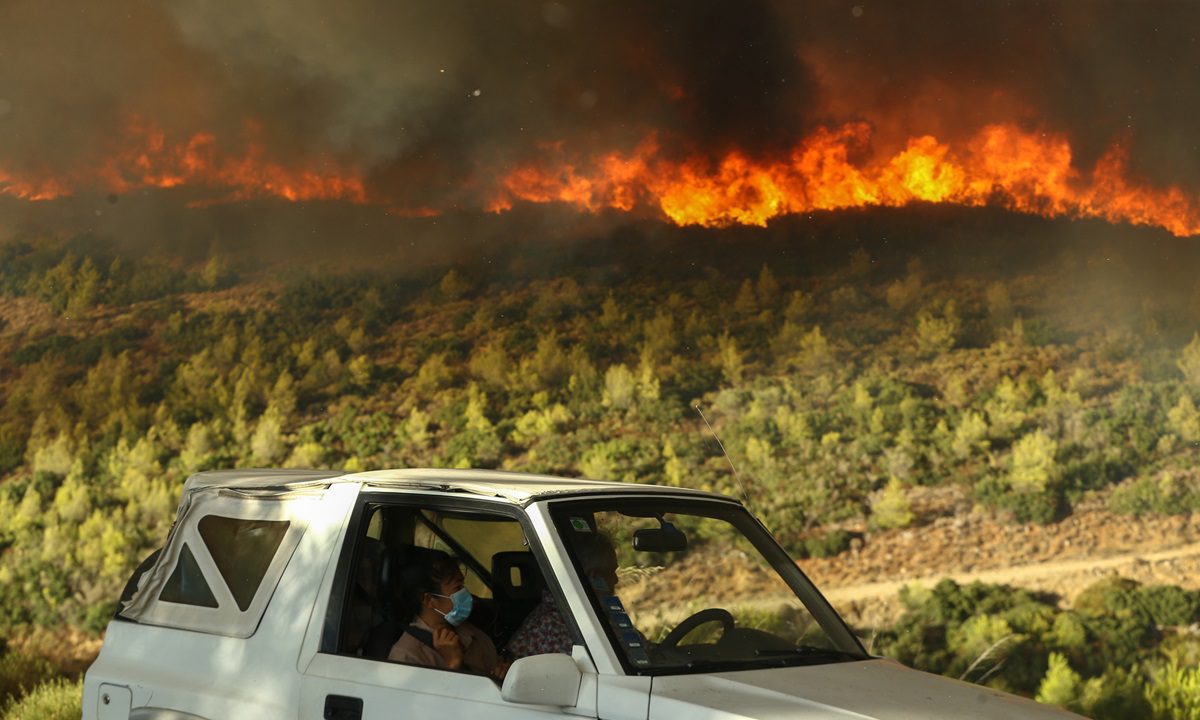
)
(694, 621)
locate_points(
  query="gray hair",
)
(593, 549)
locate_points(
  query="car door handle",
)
(340, 707)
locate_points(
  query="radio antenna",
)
(728, 459)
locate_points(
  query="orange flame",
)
(46, 189)
(146, 159)
(1002, 165)
(419, 211)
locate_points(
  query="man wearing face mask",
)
(545, 630)
(433, 595)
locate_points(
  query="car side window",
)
(481, 536)
(490, 549)
(218, 570)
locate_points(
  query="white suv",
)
(275, 597)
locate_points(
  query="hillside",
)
(892, 415)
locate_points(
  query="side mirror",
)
(551, 679)
(659, 540)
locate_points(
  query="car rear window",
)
(186, 586)
(242, 550)
(221, 565)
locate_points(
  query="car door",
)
(349, 688)
(340, 681)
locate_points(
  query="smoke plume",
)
(423, 104)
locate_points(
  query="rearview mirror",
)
(659, 540)
(551, 679)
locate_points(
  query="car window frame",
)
(468, 558)
(773, 553)
(350, 552)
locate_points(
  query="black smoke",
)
(1100, 72)
(430, 99)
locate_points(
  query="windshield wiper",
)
(743, 664)
(778, 657)
(818, 654)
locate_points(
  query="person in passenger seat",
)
(544, 630)
(432, 593)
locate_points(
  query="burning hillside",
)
(708, 114)
(1003, 165)
(143, 157)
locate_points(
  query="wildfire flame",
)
(1000, 165)
(46, 189)
(145, 158)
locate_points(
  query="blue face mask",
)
(463, 602)
(600, 585)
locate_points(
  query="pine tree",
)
(1189, 362)
(891, 508)
(1061, 684)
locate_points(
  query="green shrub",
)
(1170, 605)
(949, 627)
(57, 699)
(1174, 692)
(1170, 492)
(1119, 625)
(12, 447)
(1189, 361)
(951, 602)
(1115, 695)
(1112, 595)
(936, 335)
(1061, 685)
(20, 672)
(980, 645)
(1036, 506)
(95, 618)
(891, 508)
(828, 544)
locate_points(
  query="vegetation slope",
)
(837, 387)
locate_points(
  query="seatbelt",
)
(421, 634)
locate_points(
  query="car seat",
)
(517, 584)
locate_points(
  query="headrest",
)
(395, 561)
(370, 554)
(515, 574)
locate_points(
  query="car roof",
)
(514, 487)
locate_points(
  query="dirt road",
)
(1062, 558)
(878, 603)
(954, 541)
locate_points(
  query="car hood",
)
(880, 689)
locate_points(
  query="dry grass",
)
(54, 700)
(21, 672)
(18, 314)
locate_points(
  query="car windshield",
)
(697, 586)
